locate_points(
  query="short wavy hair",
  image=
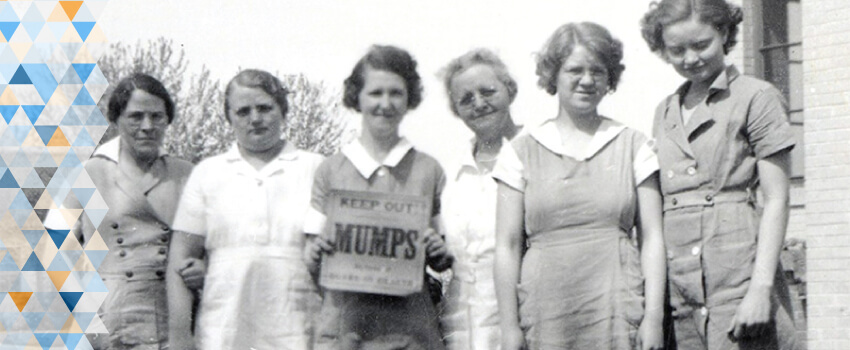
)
(476, 57)
(120, 97)
(386, 58)
(258, 79)
(719, 14)
(566, 38)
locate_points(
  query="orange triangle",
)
(59, 15)
(71, 7)
(8, 97)
(58, 278)
(58, 139)
(20, 299)
(71, 326)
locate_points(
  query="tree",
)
(199, 129)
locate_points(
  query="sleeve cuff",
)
(645, 162)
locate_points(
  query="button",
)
(114, 225)
(692, 171)
(163, 250)
(670, 174)
(122, 253)
(165, 227)
(703, 311)
(695, 250)
(163, 238)
(160, 273)
(675, 201)
(382, 172)
(129, 274)
(708, 198)
(120, 240)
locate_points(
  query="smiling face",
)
(382, 102)
(582, 82)
(695, 50)
(142, 124)
(481, 100)
(256, 118)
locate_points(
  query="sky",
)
(323, 39)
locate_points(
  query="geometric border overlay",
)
(50, 290)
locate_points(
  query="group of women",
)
(589, 229)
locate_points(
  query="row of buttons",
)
(162, 251)
(690, 170)
(164, 227)
(708, 198)
(159, 273)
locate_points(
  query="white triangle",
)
(96, 326)
(58, 305)
(39, 280)
(27, 94)
(8, 305)
(71, 285)
(90, 301)
(52, 115)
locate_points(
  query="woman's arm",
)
(653, 262)
(180, 298)
(510, 211)
(753, 314)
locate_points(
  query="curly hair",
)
(258, 79)
(387, 58)
(476, 57)
(593, 37)
(721, 15)
(120, 97)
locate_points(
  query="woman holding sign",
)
(383, 86)
(573, 190)
(480, 93)
(244, 210)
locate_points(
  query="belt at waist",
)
(135, 274)
(571, 236)
(705, 198)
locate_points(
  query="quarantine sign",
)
(378, 242)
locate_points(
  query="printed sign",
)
(378, 242)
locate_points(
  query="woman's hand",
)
(651, 334)
(436, 253)
(513, 339)
(752, 319)
(313, 250)
(193, 270)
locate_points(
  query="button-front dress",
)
(580, 285)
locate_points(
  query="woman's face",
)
(256, 118)
(695, 50)
(480, 99)
(382, 102)
(142, 124)
(582, 81)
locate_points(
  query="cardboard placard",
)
(378, 242)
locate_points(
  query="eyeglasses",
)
(468, 99)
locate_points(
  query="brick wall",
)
(826, 46)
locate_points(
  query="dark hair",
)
(476, 57)
(387, 58)
(124, 90)
(258, 79)
(566, 38)
(721, 15)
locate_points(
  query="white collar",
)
(112, 150)
(547, 134)
(366, 165)
(289, 152)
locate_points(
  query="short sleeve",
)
(509, 168)
(645, 161)
(191, 215)
(314, 222)
(768, 129)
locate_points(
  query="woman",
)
(480, 94)
(573, 190)
(244, 210)
(141, 185)
(383, 86)
(720, 135)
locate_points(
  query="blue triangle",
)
(71, 298)
(32, 15)
(42, 79)
(8, 264)
(71, 77)
(96, 285)
(96, 257)
(8, 14)
(71, 118)
(83, 28)
(96, 215)
(8, 112)
(33, 264)
(33, 236)
(71, 339)
(71, 256)
(20, 202)
(84, 277)
(8, 181)
(33, 319)
(58, 236)
(9, 28)
(20, 77)
(8, 320)
(83, 318)
(33, 112)
(45, 339)
(83, 98)
(58, 265)
(70, 160)
(45, 160)
(59, 318)
(33, 181)
(20, 285)
(45, 132)
(84, 139)
(45, 298)
(20, 161)
(83, 194)
(33, 28)
(83, 69)
(20, 215)
(20, 132)
(96, 118)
